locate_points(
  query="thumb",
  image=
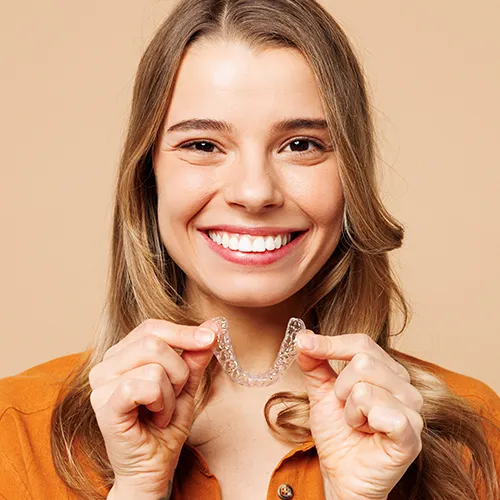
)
(197, 361)
(319, 375)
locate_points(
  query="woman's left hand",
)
(365, 422)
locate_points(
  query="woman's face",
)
(249, 175)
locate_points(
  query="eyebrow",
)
(225, 127)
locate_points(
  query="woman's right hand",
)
(144, 369)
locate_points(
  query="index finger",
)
(346, 346)
(176, 336)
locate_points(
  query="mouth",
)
(258, 250)
(248, 243)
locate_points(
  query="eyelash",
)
(317, 144)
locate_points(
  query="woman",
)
(247, 190)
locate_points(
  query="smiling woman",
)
(256, 173)
(246, 202)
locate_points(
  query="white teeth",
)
(270, 243)
(233, 243)
(244, 245)
(259, 244)
(277, 242)
(247, 243)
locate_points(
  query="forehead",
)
(229, 80)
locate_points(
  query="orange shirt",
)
(26, 469)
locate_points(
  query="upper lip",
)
(252, 231)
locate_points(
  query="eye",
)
(206, 147)
(304, 140)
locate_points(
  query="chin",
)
(257, 296)
(249, 302)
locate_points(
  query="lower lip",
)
(253, 258)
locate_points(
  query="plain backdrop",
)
(67, 72)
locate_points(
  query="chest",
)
(245, 476)
(241, 452)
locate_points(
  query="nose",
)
(253, 184)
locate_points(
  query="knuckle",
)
(419, 447)
(365, 342)
(93, 376)
(405, 374)
(157, 390)
(148, 325)
(126, 388)
(362, 362)
(98, 399)
(109, 353)
(400, 421)
(185, 373)
(421, 424)
(180, 375)
(185, 330)
(152, 343)
(360, 391)
(419, 399)
(154, 371)
(94, 400)
(419, 421)
(98, 376)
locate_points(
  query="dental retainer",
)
(223, 351)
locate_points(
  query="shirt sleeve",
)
(13, 476)
(490, 408)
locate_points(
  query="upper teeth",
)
(247, 243)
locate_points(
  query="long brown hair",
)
(144, 282)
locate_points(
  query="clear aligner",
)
(223, 351)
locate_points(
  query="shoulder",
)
(480, 395)
(37, 388)
(27, 400)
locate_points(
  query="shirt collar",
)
(200, 462)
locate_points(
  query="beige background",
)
(67, 73)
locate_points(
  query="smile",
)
(250, 250)
(248, 243)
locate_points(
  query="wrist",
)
(330, 493)
(333, 496)
(122, 491)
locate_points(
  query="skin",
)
(251, 177)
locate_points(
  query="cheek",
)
(327, 207)
(321, 195)
(182, 192)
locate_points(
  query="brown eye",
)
(205, 147)
(300, 146)
(301, 143)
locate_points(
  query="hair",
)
(145, 282)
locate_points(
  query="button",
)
(285, 491)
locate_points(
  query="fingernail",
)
(307, 342)
(204, 336)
